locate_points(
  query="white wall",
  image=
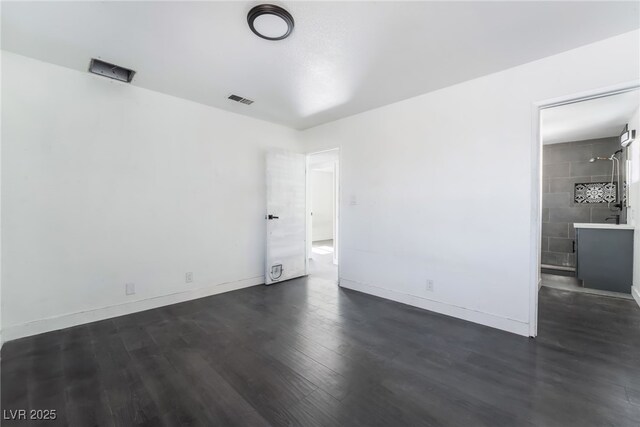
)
(440, 186)
(633, 213)
(105, 183)
(322, 205)
(1, 336)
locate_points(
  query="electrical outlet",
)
(188, 278)
(430, 285)
(129, 288)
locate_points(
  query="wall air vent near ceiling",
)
(240, 99)
(115, 72)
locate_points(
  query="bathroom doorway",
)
(589, 180)
(323, 177)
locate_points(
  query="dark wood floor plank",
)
(307, 353)
(85, 397)
(633, 396)
(315, 372)
(226, 406)
(130, 402)
(317, 409)
(171, 392)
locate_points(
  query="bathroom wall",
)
(564, 165)
(322, 205)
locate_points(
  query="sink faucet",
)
(616, 217)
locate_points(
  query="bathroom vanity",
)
(604, 256)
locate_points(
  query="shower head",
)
(594, 159)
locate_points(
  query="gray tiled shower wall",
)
(564, 165)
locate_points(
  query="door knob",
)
(272, 217)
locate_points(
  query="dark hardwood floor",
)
(307, 353)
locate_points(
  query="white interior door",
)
(286, 216)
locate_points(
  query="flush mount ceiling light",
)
(270, 22)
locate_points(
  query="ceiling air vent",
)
(115, 72)
(240, 99)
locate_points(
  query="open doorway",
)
(323, 213)
(590, 192)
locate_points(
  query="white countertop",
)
(605, 226)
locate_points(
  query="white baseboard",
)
(636, 294)
(503, 323)
(73, 319)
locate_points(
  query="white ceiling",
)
(342, 58)
(595, 118)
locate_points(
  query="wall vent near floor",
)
(111, 71)
(240, 99)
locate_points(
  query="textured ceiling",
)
(342, 58)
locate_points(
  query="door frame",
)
(536, 183)
(337, 176)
